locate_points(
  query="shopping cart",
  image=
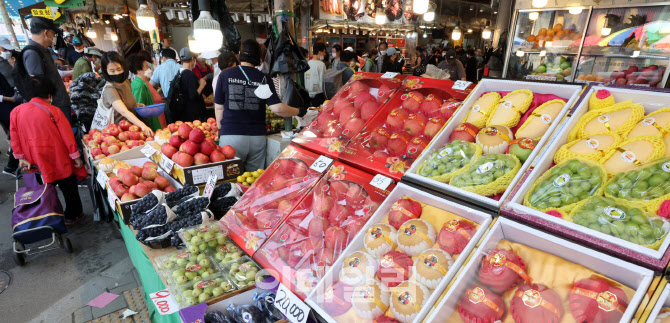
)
(37, 216)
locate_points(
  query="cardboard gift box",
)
(272, 197)
(659, 312)
(569, 93)
(570, 263)
(328, 133)
(652, 100)
(394, 137)
(335, 306)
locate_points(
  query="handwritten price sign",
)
(148, 150)
(209, 187)
(166, 163)
(164, 302)
(461, 85)
(102, 178)
(290, 305)
(321, 164)
(381, 182)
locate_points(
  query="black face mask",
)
(118, 78)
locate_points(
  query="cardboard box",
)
(402, 190)
(359, 151)
(623, 272)
(659, 300)
(568, 92)
(652, 100)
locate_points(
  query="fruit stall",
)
(611, 45)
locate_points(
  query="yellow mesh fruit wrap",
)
(659, 151)
(519, 109)
(477, 115)
(658, 176)
(661, 130)
(495, 187)
(444, 178)
(564, 152)
(618, 202)
(595, 103)
(568, 207)
(636, 113)
(536, 115)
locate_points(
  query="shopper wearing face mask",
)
(86, 63)
(335, 54)
(6, 67)
(191, 88)
(314, 75)
(74, 55)
(347, 63)
(117, 93)
(139, 66)
(379, 62)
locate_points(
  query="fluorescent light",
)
(605, 31)
(575, 10)
(380, 17)
(539, 3)
(520, 53)
(533, 15)
(429, 16)
(420, 7)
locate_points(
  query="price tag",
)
(540, 77)
(111, 197)
(321, 164)
(461, 85)
(166, 163)
(290, 305)
(148, 150)
(389, 75)
(381, 182)
(209, 187)
(200, 175)
(164, 302)
(102, 178)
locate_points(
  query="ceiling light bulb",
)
(520, 53)
(429, 16)
(486, 34)
(420, 6)
(90, 33)
(380, 17)
(539, 3)
(533, 15)
(115, 37)
(145, 17)
(456, 33)
(425, 35)
(575, 10)
(469, 31)
(206, 30)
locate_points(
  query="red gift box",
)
(395, 136)
(320, 227)
(271, 198)
(333, 127)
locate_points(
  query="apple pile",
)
(652, 75)
(136, 182)
(190, 146)
(114, 139)
(209, 128)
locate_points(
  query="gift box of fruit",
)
(113, 140)
(482, 151)
(194, 153)
(408, 253)
(346, 114)
(271, 198)
(602, 178)
(396, 136)
(519, 274)
(321, 226)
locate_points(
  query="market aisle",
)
(55, 286)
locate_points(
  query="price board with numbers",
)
(321, 164)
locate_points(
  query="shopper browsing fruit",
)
(240, 97)
(118, 93)
(41, 135)
(139, 66)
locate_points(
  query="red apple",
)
(229, 151)
(201, 159)
(190, 147)
(196, 135)
(168, 150)
(217, 156)
(184, 131)
(207, 147)
(183, 159)
(464, 132)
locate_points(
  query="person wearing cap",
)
(394, 62)
(165, 72)
(191, 88)
(6, 68)
(241, 96)
(85, 63)
(74, 55)
(36, 58)
(452, 65)
(201, 67)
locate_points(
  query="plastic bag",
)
(621, 220)
(632, 154)
(442, 165)
(565, 184)
(488, 175)
(481, 109)
(594, 147)
(619, 118)
(509, 110)
(247, 313)
(266, 303)
(644, 188)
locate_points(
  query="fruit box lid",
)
(358, 151)
(296, 231)
(282, 185)
(381, 88)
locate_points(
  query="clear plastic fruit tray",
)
(203, 236)
(227, 252)
(212, 286)
(184, 267)
(236, 268)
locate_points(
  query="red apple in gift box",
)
(336, 299)
(267, 219)
(352, 128)
(404, 210)
(348, 113)
(362, 98)
(322, 204)
(357, 88)
(368, 109)
(464, 132)
(394, 268)
(433, 127)
(415, 123)
(326, 122)
(455, 236)
(354, 226)
(340, 106)
(412, 101)
(339, 189)
(380, 154)
(524, 305)
(287, 166)
(317, 227)
(168, 150)
(383, 94)
(502, 270)
(379, 138)
(479, 304)
(595, 300)
(396, 119)
(449, 107)
(338, 214)
(397, 143)
(430, 105)
(355, 195)
(415, 147)
(335, 238)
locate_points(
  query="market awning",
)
(13, 6)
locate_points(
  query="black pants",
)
(68, 186)
(317, 100)
(12, 163)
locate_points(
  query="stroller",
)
(37, 216)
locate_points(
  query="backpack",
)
(175, 102)
(332, 82)
(20, 74)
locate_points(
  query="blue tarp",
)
(13, 6)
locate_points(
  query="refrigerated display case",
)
(626, 45)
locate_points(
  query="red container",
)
(271, 198)
(321, 227)
(361, 98)
(405, 125)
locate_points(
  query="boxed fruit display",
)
(347, 113)
(321, 226)
(602, 178)
(487, 145)
(182, 267)
(396, 136)
(202, 290)
(204, 236)
(113, 140)
(406, 256)
(519, 274)
(271, 198)
(242, 272)
(660, 312)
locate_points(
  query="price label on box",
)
(148, 150)
(166, 163)
(209, 187)
(290, 305)
(389, 75)
(202, 175)
(321, 164)
(461, 85)
(381, 182)
(102, 178)
(111, 197)
(164, 302)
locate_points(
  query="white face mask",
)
(6, 55)
(352, 64)
(382, 52)
(148, 73)
(332, 55)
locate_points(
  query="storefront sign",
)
(164, 302)
(290, 305)
(396, 42)
(46, 13)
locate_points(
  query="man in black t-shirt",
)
(192, 88)
(240, 112)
